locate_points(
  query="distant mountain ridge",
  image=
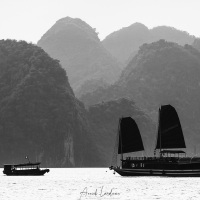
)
(124, 43)
(77, 46)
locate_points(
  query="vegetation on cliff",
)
(39, 115)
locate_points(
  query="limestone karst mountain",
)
(77, 46)
(39, 114)
(124, 43)
(161, 73)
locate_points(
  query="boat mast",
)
(120, 134)
(159, 132)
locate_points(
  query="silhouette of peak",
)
(157, 45)
(67, 24)
(138, 25)
(164, 28)
(167, 30)
(67, 19)
(76, 21)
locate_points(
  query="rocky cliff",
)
(39, 114)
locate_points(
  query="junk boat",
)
(26, 169)
(171, 160)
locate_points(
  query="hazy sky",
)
(30, 19)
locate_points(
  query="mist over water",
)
(96, 183)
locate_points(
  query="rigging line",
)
(175, 126)
(158, 127)
(121, 138)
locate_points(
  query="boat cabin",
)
(172, 153)
(27, 166)
(28, 169)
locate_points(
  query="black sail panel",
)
(170, 133)
(129, 136)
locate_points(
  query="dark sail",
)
(129, 136)
(170, 133)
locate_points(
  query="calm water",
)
(96, 184)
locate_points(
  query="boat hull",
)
(158, 172)
(26, 172)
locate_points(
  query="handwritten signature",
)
(99, 193)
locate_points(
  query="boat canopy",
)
(172, 151)
(170, 135)
(23, 165)
(129, 136)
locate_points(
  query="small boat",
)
(170, 161)
(26, 169)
